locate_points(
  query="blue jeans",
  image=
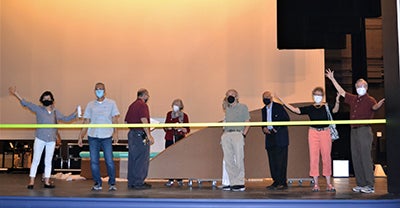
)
(95, 144)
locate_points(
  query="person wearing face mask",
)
(362, 106)
(139, 141)
(232, 140)
(45, 138)
(173, 135)
(101, 111)
(319, 139)
(276, 141)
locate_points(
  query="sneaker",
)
(112, 188)
(367, 190)
(169, 183)
(180, 183)
(238, 188)
(357, 189)
(96, 187)
(224, 187)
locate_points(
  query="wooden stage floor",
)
(15, 185)
(13, 191)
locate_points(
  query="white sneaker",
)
(96, 187)
(238, 188)
(367, 190)
(169, 183)
(112, 188)
(357, 189)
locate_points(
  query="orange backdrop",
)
(189, 49)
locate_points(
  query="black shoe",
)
(49, 186)
(272, 186)
(143, 186)
(281, 187)
(29, 187)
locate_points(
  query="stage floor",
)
(15, 185)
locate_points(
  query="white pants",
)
(38, 147)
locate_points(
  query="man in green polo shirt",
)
(232, 140)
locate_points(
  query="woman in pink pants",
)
(319, 140)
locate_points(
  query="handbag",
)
(332, 127)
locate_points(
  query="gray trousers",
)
(138, 158)
(361, 145)
(233, 147)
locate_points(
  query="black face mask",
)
(230, 99)
(267, 101)
(47, 102)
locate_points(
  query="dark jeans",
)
(95, 145)
(138, 158)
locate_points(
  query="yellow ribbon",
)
(215, 124)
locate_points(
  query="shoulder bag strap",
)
(328, 112)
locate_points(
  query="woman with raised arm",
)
(44, 137)
(319, 139)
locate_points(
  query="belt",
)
(356, 127)
(140, 133)
(233, 130)
(320, 129)
(136, 130)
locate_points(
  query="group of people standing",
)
(362, 106)
(105, 111)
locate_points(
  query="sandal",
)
(316, 188)
(330, 188)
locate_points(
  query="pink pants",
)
(320, 142)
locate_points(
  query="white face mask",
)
(176, 108)
(317, 98)
(361, 91)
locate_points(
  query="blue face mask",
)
(99, 93)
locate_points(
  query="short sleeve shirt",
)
(360, 107)
(136, 111)
(101, 113)
(236, 113)
(315, 114)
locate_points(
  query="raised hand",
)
(329, 74)
(12, 90)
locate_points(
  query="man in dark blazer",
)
(276, 141)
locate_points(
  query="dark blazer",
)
(282, 135)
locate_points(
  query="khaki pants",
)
(233, 147)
